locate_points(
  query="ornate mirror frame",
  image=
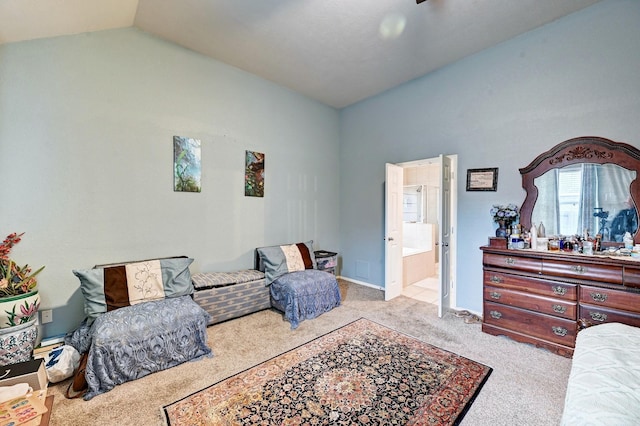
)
(586, 149)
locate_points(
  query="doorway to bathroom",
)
(420, 217)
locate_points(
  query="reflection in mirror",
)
(586, 196)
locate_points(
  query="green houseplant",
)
(19, 299)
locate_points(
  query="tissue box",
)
(32, 372)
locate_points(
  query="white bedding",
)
(604, 383)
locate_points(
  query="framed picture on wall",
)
(254, 174)
(482, 179)
(186, 164)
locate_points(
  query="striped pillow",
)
(280, 260)
(111, 287)
(132, 283)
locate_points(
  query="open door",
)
(444, 234)
(393, 232)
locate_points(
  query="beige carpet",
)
(527, 385)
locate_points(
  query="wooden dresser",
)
(539, 297)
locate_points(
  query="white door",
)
(393, 232)
(444, 234)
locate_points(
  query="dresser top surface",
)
(566, 257)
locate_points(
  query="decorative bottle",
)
(534, 237)
(541, 230)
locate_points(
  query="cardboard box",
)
(32, 372)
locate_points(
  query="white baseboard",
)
(351, 280)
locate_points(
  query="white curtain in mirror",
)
(591, 197)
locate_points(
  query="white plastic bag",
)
(61, 362)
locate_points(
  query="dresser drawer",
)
(583, 270)
(546, 327)
(598, 315)
(608, 298)
(542, 304)
(631, 277)
(512, 262)
(539, 286)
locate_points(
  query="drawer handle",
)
(561, 291)
(495, 279)
(510, 261)
(559, 309)
(559, 331)
(495, 295)
(579, 269)
(598, 316)
(599, 297)
(495, 315)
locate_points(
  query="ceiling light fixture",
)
(392, 26)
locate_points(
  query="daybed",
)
(296, 287)
(140, 319)
(604, 382)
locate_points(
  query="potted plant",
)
(19, 299)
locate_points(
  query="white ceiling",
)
(336, 51)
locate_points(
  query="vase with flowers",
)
(19, 299)
(504, 216)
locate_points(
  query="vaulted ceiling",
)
(336, 51)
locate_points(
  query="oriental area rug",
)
(362, 373)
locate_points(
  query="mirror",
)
(584, 183)
(592, 197)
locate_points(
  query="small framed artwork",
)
(482, 179)
(254, 174)
(186, 164)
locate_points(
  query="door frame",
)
(453, 221)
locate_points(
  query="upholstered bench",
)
(228, 295)
(137, 340)
(298, 289)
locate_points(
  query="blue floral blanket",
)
(305, 294)
(131, 342)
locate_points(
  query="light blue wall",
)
(500, 108)
(86, 127)
(86, 160)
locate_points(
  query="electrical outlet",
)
(46, 316)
